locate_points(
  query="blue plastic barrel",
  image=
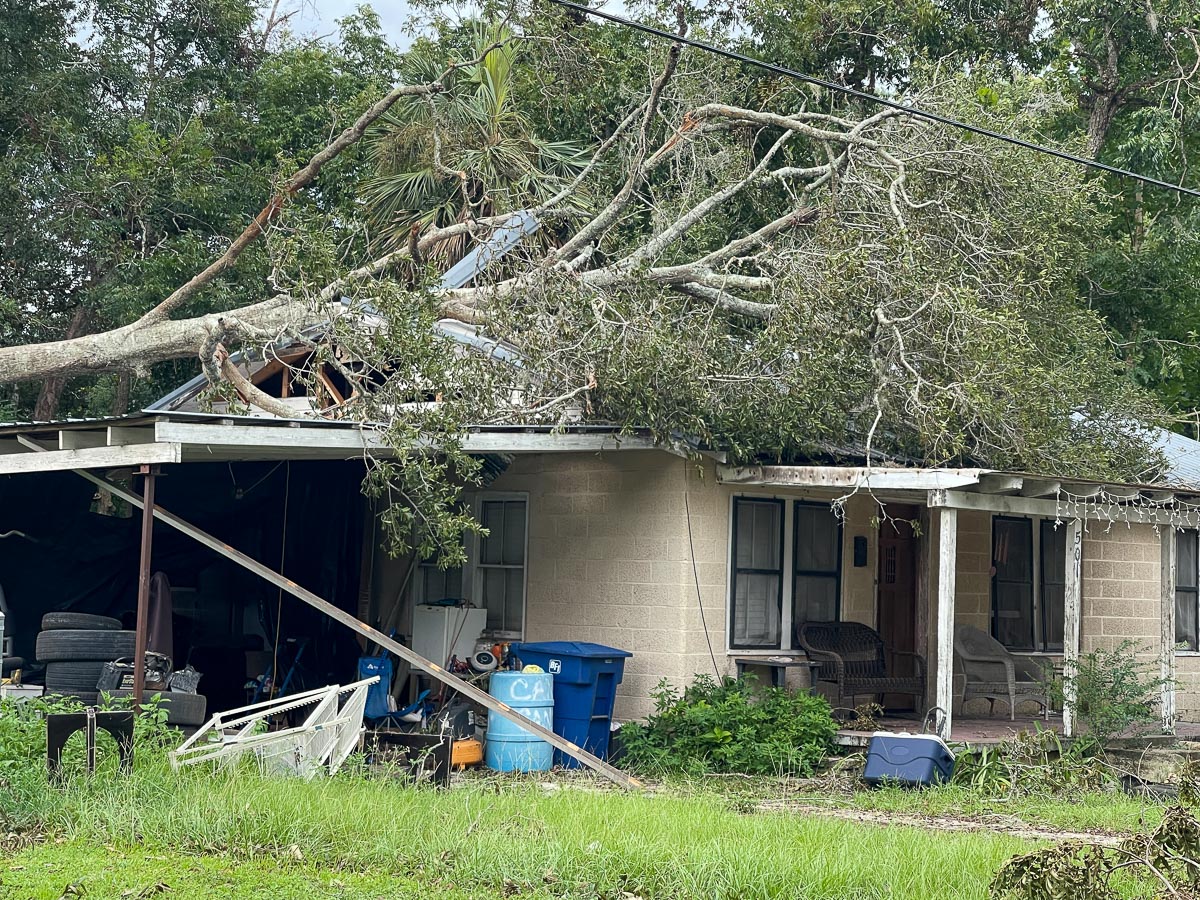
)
(510, 748)
(585, 688)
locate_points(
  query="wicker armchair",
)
(990, 671)
(851, 657)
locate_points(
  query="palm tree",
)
(466, 153)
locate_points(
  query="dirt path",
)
(995, 824)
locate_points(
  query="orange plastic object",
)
(465, 753)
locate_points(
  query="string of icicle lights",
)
(1115, 509)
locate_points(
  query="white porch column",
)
(944, 664)
(1166, 659)
(1072, 605)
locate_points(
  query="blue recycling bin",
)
(585, 688)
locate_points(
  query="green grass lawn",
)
(243, 836)
(1094, 811)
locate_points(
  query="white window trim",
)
(472, 574)
(787, 614)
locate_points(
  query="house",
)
(691, 564)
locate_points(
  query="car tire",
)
(55, 621)
(87, 698)
(182, 709)
(80, 645)
(67, 677)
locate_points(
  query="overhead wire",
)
(916, 112)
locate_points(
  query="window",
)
(1054, 584)
(495, 568)
(770, 538)
(1187, 590)
(1028, 583)
(500, 568)
(757, 572)
(435, 583)
(818, 557)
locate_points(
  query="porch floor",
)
(982, 732)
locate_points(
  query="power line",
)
(872, 98)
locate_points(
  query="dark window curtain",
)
(1012, 583)
(1186, 590)
(757, 602)
(818, 552)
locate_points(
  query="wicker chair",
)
(991, 672)
(852, 658)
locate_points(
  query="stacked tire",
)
(75, 647)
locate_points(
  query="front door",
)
(897, 613)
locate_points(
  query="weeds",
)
(1033, 763)
(1116, 693)
(729, 726)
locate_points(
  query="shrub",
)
(731, 725)
(1116, 693)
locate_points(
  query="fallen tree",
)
(773, 280)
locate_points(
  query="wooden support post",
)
(944, 671)
(1072, 608)
(415, 659)
(1166, 659)
(143, 595)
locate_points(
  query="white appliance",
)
(440, 632)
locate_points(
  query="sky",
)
(319, 17)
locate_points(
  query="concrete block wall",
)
(859, 583)
(1187, 687)
(606, 560)
(1120, 586)
(973, 564)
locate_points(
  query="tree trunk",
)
(51, 393)
(121, 397)
(136, 347)
(1104, 108)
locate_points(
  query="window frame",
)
(475, 568)
(735, 569)
(788, 572)
(817, 573)
(1038, 644)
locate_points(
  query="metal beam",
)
(143, 595)
(433, 669)
(93, 458)
(849, 477)
(1026, 506)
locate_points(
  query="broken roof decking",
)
(172, 437)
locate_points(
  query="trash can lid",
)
(572, 648)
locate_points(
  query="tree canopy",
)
(724, 256)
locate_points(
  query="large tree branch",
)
(286, 192)
(637, 170)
